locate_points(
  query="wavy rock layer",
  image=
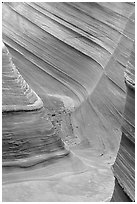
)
(77, 52)
(27, 137)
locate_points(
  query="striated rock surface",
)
(30, 143)
(76, 53)
(28, 136)
(17, 95)
(124, 166)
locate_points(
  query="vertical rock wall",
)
(124, 167)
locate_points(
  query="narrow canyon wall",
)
(124, 166)
(76, 52)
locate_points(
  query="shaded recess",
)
(77, 53)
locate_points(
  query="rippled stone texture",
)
(124, 167)
(28, 136)
(76, 51)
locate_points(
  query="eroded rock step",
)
(28, 135)
(67, 179)
(17, 95)
(30, 140)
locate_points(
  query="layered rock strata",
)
(28, 136)
(78, 50)
(17, 95)
(124, 167)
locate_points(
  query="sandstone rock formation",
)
(17, 95)
(28, 136)
(75, 53)
(124, 166)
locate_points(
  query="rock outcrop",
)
(76, 52)
(17, 95)
(28, 136)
